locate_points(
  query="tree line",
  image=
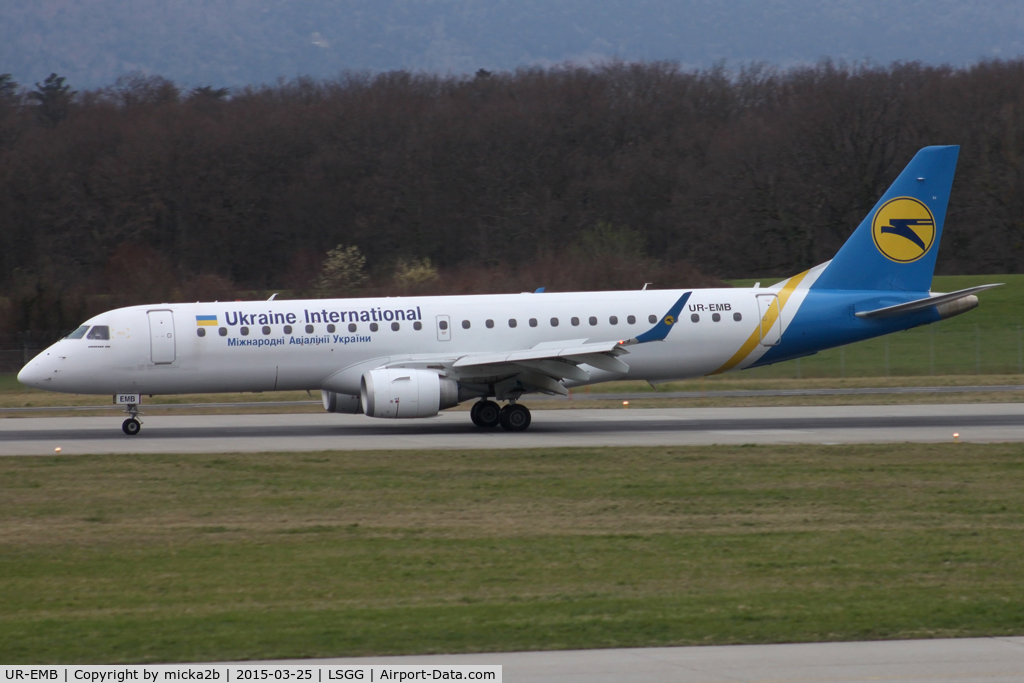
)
(597, 177)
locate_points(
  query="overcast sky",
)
(240, 42)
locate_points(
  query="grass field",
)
(170, 558)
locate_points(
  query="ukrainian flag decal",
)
(206, 320)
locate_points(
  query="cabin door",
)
(771, 321)
(161, 337)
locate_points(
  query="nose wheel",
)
(132, 426)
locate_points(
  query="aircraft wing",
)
(543, 367)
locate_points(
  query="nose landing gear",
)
(132, 426)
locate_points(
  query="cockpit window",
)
(79, 333)
(99, 332)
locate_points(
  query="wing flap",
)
(548, 353)
(601, 361)
(559, 369)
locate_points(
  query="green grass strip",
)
(200, 557)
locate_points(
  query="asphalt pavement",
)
(977, 422)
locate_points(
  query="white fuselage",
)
(316, 344)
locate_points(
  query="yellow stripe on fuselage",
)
(769, 319)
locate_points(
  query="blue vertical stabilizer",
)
(895, 246)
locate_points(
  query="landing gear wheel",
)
(486, 414)
(515, 417)
(131, 426)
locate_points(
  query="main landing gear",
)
(132, 426)
(487, 414)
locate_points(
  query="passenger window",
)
(395, 327)
(442, 325)
(489, 323)
(201, 332)
(554, 322)
(374, 327)
(287, 329)
(465, 324)
(352, 327)
(631, 319)
(416, 326)
(331, 328)
(575, 321)
(266, 329)
(593, 320)
(613, 320)
(512, 322)
(79, 333)
(716, 317)
(223, 331)
(652, 319)
(533, 322)
(694, 318)
(99, 332)
(309, 329)
(737, 316)
(244, 331)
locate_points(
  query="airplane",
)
(411, 357)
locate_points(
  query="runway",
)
(965, 660)
(551, 428)
(583, 396)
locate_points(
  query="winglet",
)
(663, 326)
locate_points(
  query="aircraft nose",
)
(35, 374)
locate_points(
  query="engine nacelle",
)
(340, 403)
(397, 392)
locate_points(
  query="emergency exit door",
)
(161, 337)
(771, 321)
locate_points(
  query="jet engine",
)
(340, 403)
(398, 392)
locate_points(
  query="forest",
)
(568, 177)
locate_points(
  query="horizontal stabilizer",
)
(934, 300)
